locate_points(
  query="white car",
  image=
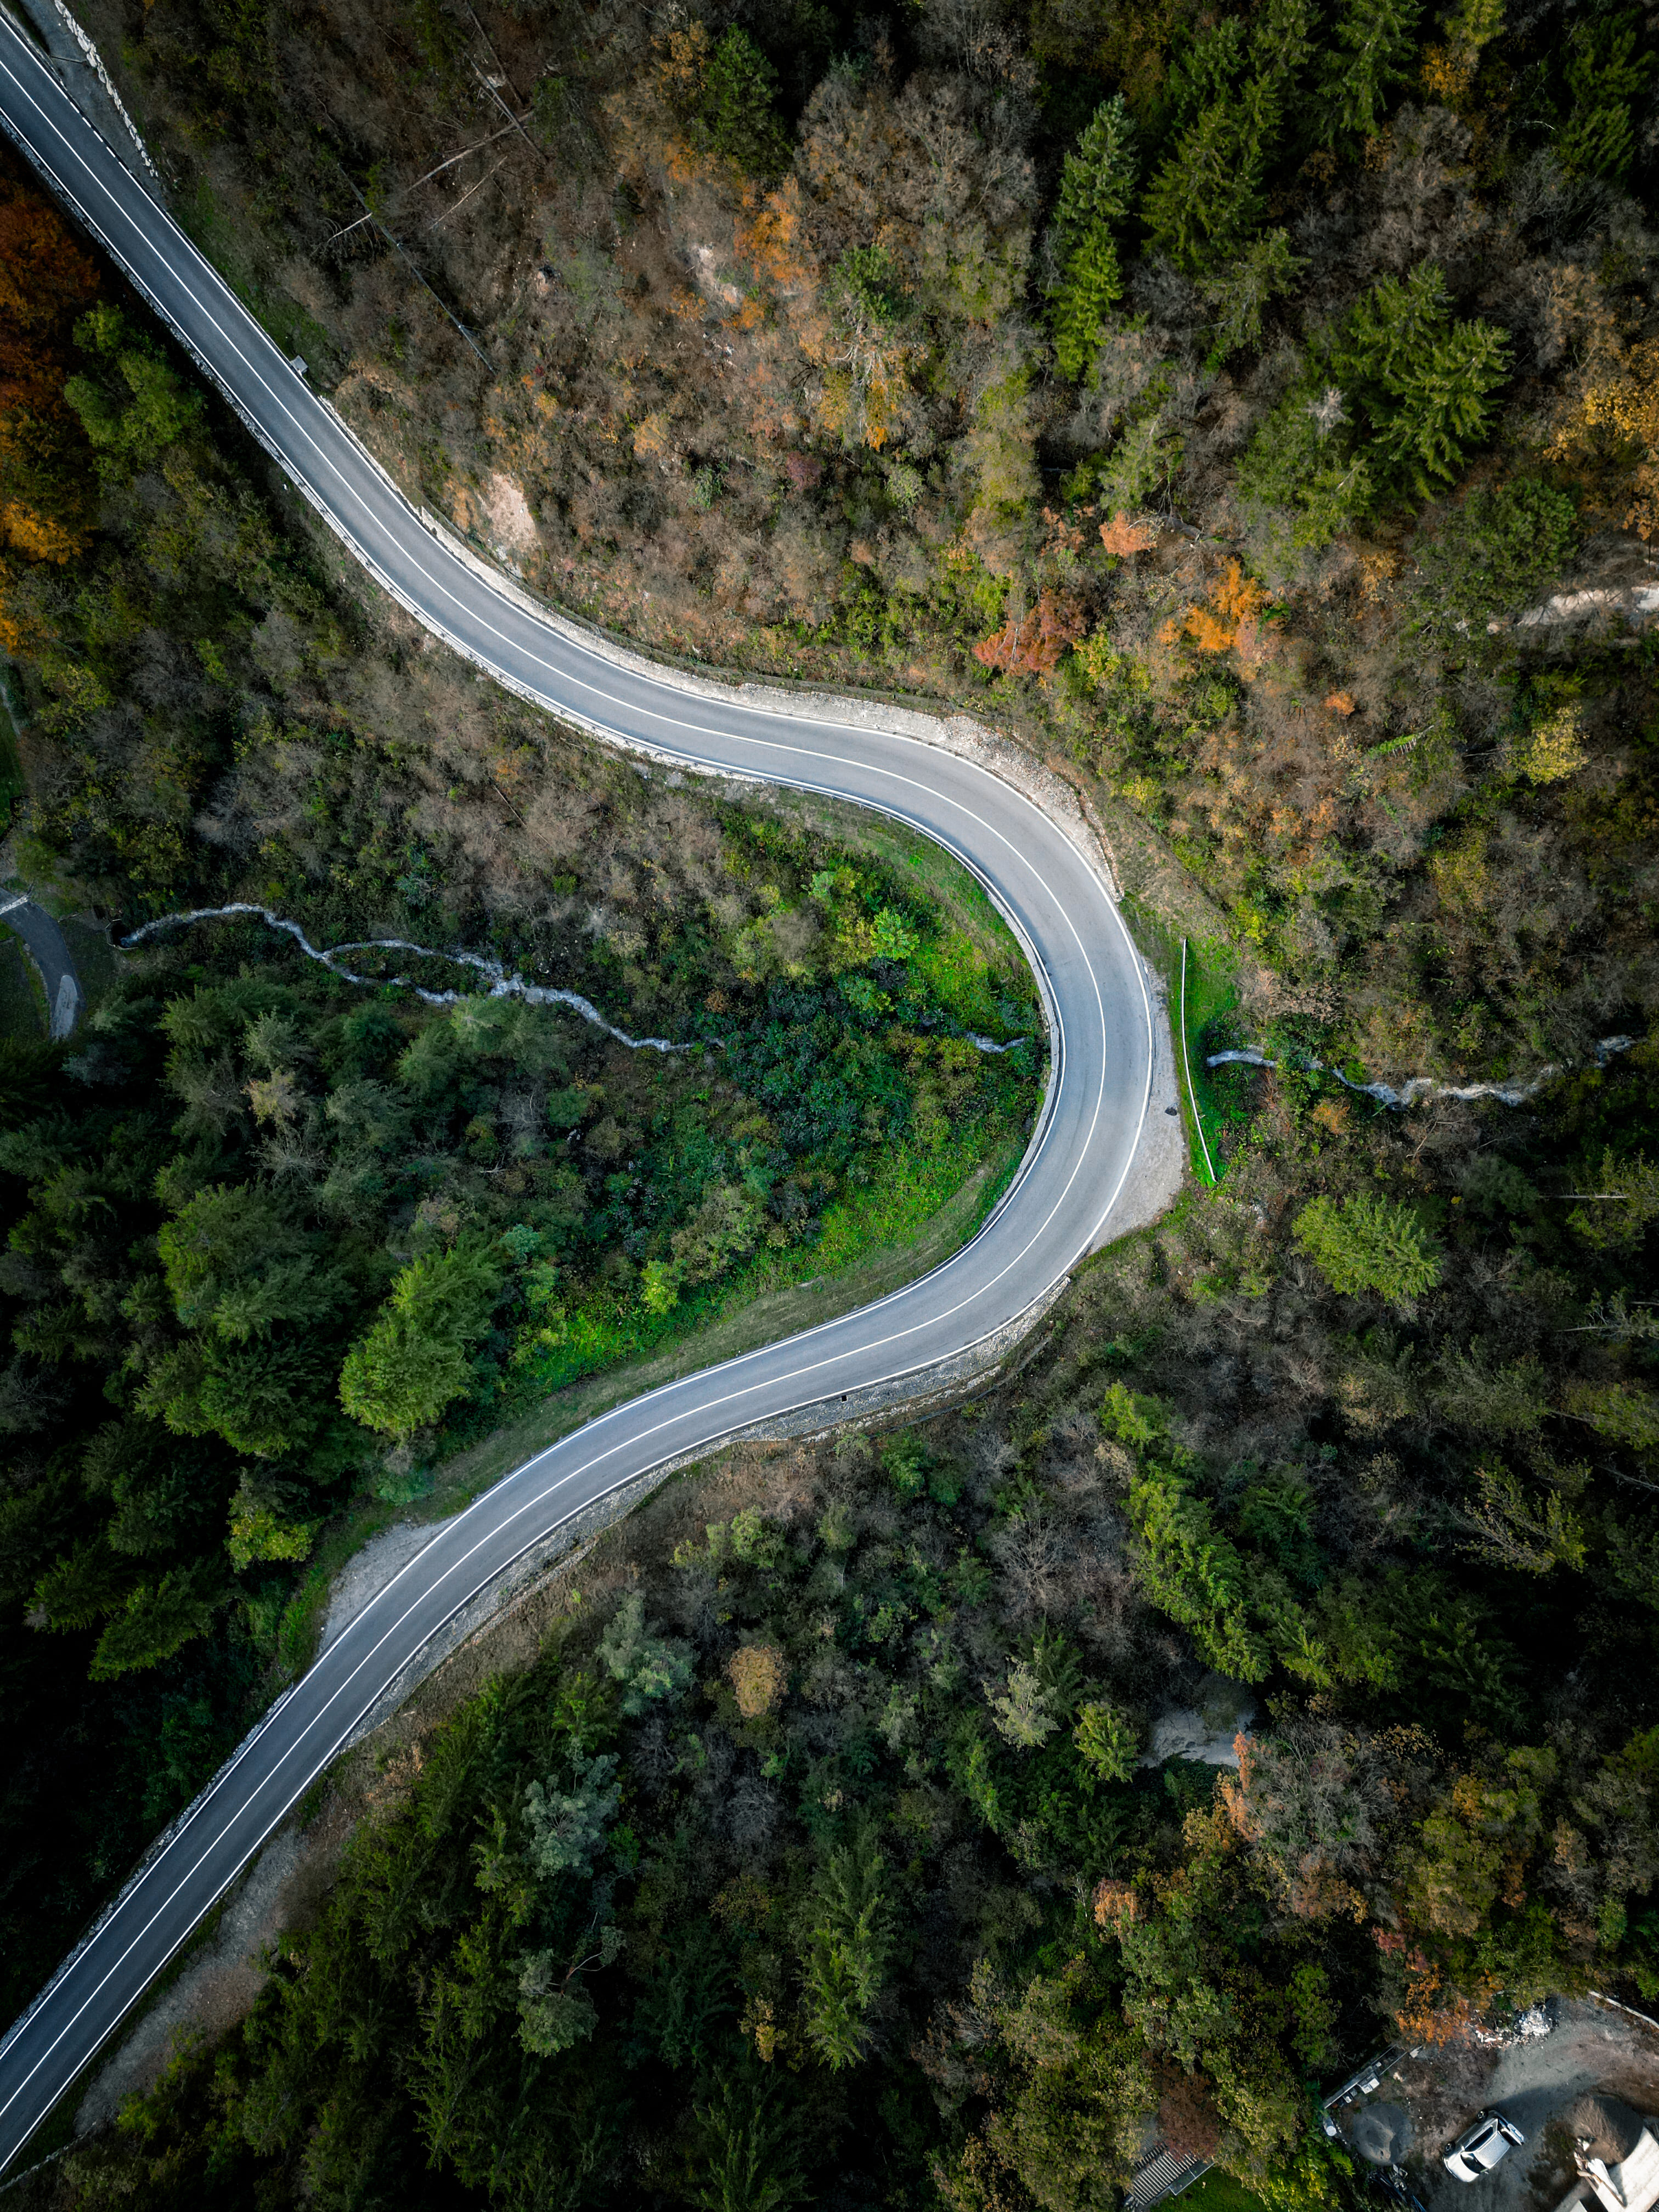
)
(1480, 2147)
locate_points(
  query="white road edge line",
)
(687, 727)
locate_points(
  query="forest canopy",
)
(1251, 410)
(280, 1243)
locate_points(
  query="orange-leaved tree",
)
(1235, 599)
(1034, 642)
(46, 279)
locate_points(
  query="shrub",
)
(1490, 554)
(415, 1360)
(1551, 750)
(867, 288)
(1365, 1243)
(906, 1459)
(1529, 1531)
(1132, 1420)
(759, 1673)
(553, 2016)
(1623, 1204)
(753, 1542)
(1116, 1906)
(260, 1529)
(1623, 1412)
(135, 406)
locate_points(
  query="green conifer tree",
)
(414, 1360)
(1092, 286)
(1374, 43)
(1388, 333)
(1421, 384)
(1206, 198)
(1281, 42)
(1445, 403)
(1604, 73)
(847, 1949)
(1231, 94)
(85, 1583)
(1366, 1243)
(1240, 291)
(155, 1622)
(1209, 71)
(1096, 189)
(1098, 180)
(739, 106)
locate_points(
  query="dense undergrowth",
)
(813, 1861)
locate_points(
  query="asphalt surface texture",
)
(1100, 1041)
(50, 954)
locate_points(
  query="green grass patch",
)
(896, 1240)
(1206, 990)
(1219, 2192)
(1201, 976)
(889, 1211)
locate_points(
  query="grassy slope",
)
(897, 1240)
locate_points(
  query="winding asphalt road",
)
(1101, 1032)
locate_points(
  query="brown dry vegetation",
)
(685, 417)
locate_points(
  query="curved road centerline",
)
(1101, 1047)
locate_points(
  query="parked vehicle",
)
(1481, 2146)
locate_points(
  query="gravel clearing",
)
(369, 1571)
(1592, 2047)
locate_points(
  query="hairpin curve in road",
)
(1101, 1064)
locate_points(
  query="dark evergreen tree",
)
(1207, 196)
(1374, 44)
(739, 108)
(1605, 73)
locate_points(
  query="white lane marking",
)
(419, 535)
(688, 725)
